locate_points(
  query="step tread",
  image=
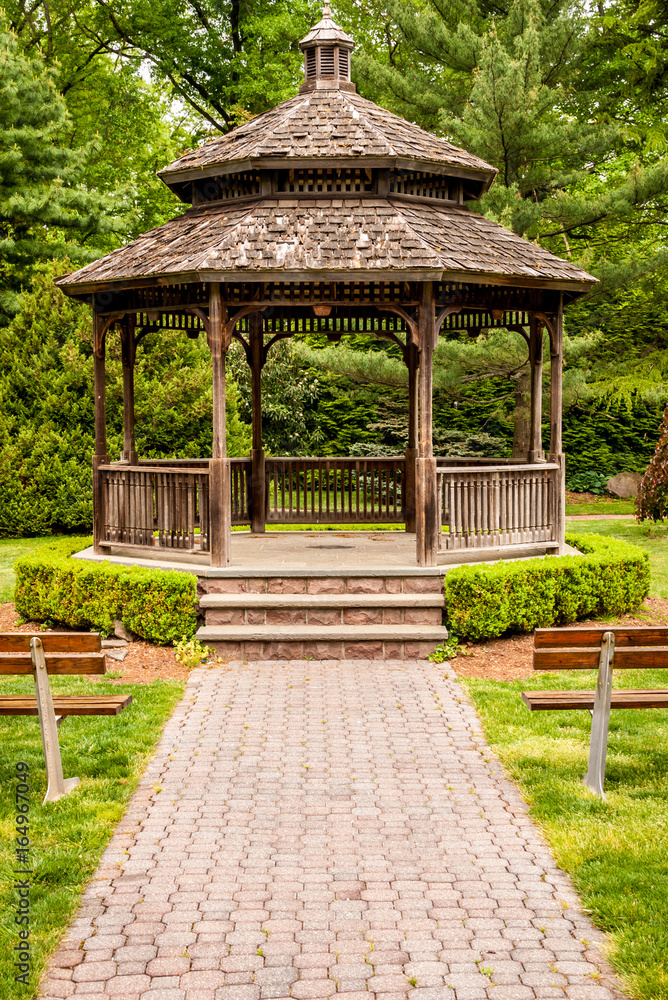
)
(274, 601)
(344, 633)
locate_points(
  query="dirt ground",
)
(497, 659)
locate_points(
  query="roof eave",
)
(486, 175)
(84, 289)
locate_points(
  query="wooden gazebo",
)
(328, 214)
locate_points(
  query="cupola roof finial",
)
(326, 32)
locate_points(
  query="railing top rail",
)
(195, 470)
(322, 459)
(478, 469)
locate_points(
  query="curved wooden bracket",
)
(400, 311)
(448, 311)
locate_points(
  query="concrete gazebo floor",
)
(297, 553)
(310, 829)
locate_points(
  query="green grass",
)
(651, 537)
(12, 548)
(615, 851)
(68, 837)
(602, 507)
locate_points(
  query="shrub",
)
(588, 482)
(157, 605)
(609, 579)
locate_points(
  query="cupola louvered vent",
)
(327, 62)
(344, 63)
(310, 64)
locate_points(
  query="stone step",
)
(323, 609)
(322, 601)
(322, 642)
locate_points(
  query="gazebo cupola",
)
(329, 214)
(327, 50)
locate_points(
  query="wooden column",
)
(535, 453)
(100, 456)
(412, 363)
(556, 417)
(258, 478)
(219, 465)
(128, 354)
(426, 521)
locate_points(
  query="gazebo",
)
(328, 214)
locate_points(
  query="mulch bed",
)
(497, 659)
(143, 663)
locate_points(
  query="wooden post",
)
(535, 453)
(412, 363)
(100, 456)
(128, 354)
(220, 499)
(426, 520)
(556, 404)
(258, 478)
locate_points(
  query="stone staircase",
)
(318, 617)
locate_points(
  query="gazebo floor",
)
(306, 554)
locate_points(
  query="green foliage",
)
(610, 578)
(43, 201)
(587, 482)
(190, 652)
(652, 500)
(610, 437)
(47, 412)
(447, 650)
(69, 837)
(157, 605)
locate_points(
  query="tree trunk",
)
(522, 416)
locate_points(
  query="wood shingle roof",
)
(326, 125)
(363, 237)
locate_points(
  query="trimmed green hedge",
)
(158, 605)
(611, 578)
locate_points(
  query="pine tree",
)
(43, 207)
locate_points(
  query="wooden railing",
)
(165, 504)
(493, 507)
(334, 490)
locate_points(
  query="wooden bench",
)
(608, 649)
(55, 653)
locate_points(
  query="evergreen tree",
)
(42, 203)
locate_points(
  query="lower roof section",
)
(329, 239)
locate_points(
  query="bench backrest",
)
(65, 653)
(636, 648)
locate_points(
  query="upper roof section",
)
(326, 32)
(326, 128)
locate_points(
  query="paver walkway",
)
(315, 828)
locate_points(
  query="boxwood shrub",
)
(157, 605)
(610, 578)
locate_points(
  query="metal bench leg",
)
(598, 745)
(57, 786)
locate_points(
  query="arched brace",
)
(444, 313)
(411, 323)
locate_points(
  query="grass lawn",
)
(68, 837)
(615, 851)
(602, 507)
(652, 537)
(12, 548)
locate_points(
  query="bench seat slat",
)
(66, 704)
(636, 635)
(53, 642)
(546, 701)
(56, 663)
(626, 658)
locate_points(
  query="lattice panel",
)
(423, 185)
(344, 292)
(340, 321)
(321, 180)
(170, 321)
(161, 297)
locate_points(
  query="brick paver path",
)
(314, 828)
